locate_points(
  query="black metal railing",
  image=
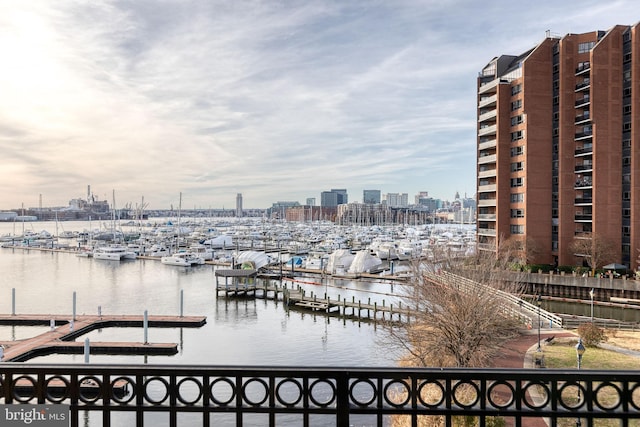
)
(306, 396)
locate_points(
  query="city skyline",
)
(212, 99)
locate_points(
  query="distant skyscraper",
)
(311, 201)
(239, 205)
(371, 197)
(421, 195)
(334, 197)
(397, 200)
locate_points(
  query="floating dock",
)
(64, 329)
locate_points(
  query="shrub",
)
(591, 334)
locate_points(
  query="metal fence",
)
(305, 396)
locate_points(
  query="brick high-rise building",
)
(558, 146)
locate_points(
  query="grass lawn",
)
(562, 354)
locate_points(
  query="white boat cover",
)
(340, 259)
(364, 262)
(258, 259)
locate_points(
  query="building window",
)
(556, 100)
(626, 76)
(625, 110)
(517, 166)
(517, 182)
(626, 161)
(517, 213)
(516, 89)
(517, 229)
(517, 151)
(516, 120)
(626, 127)
(515, 136)
(626, 195)
(516, 105)
(585, 47)
(626, 91)
(517, 197)
(626, 231)
(626, 143)
(627, 58)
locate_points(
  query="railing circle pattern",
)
(216, 383)
(56, 388)
(90, 389)
(572, 394)
(317, 384)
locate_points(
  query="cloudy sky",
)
(276, 99)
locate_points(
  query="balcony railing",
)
(203, 395)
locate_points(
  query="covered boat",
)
(364, 262)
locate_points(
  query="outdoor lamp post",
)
(538, 300)
(580, 349)
(591, 295)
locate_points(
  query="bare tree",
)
(459, 321)
(594, 249)
(518, 250)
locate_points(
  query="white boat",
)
(409, 249)
(182, 259)
(113, 253)
(387, 250)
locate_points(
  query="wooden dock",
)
(64, 329)
(296, 297)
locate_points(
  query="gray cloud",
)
(276, 100)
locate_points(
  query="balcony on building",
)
(583, 101)
(583, 85)
(583, 182)
(584, 216)
(486, 188)
(583, 201)
(583, 135)
(487, 101)
(583, 118)
(488, 115)
(487, 172)
(584, 167)
(487, 144)
(486, 202)
(489, 87)
(583, 68)
(486, 231)
(489, 158)
(487, 217)
(487, 130)
(584, 150)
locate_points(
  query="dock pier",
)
(296, 297)
(65, 329)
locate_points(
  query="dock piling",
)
(145, 327)
(86, 350)
(13, 301)
(181, 302)
(73, 313)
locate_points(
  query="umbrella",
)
(615, 266)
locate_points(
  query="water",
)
(239, 332)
